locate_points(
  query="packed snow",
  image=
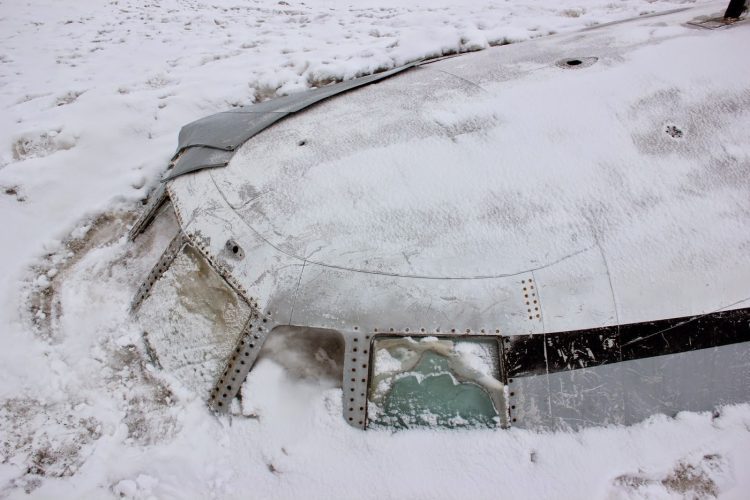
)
(93, 95)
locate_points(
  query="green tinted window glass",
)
(431, 382)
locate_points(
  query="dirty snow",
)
(92, 96)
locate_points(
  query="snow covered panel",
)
(576, 292)
(455, 178)
(340, 299)
(192, 320)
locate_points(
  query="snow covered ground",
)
(92, 96)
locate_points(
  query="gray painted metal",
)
(198, 158)
(626, 393)
(354, 233)
(228, 130)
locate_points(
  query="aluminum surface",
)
(430, 202)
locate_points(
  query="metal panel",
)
(225, 130)
(228, 130)
(628, 392)
(366, 241)
(197, 158)
(622, 375)
(156, 200)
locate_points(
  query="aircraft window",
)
(431, 382)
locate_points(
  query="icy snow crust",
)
(456, 362)
(93, 94)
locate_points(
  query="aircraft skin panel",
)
(449, 198)
(628, 392)
(622, 374)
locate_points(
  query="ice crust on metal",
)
(210, 141)
(458, 208)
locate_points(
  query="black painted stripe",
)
(525, 355)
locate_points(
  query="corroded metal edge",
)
(166, 259)
(240, 361)
(156, 200)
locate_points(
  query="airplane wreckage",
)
(548, 234)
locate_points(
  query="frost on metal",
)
(580, 201)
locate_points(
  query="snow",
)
(93, 95)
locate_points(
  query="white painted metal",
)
(432, 201)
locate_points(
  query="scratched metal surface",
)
(628, 392)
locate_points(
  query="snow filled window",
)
(431, 382)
